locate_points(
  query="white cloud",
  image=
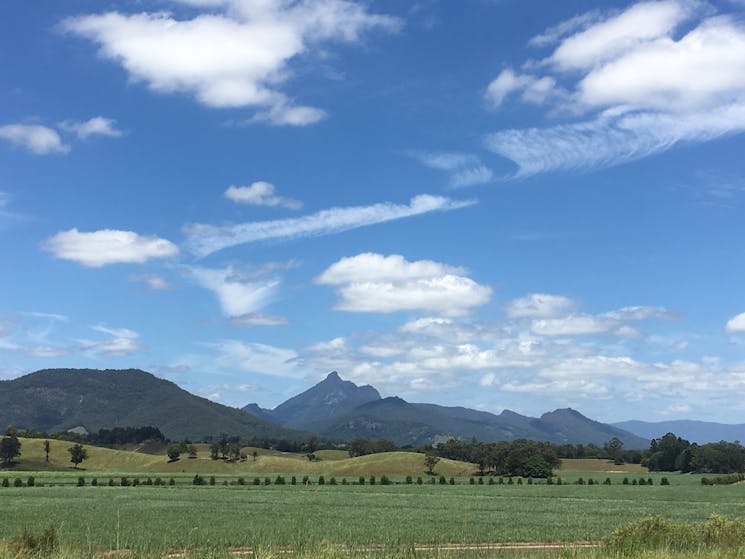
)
(237, 295)
(736, 324)
(640, 86)
(642, 313)
(234, 355)
(123, 342)
(557, 32)
(108, 246)
(464, 169)
(534, 90)
(573, 325)
(203, 240)
(540, 305)
(152, 281)
(97, 126)
(260, 193)
(36, 138)
(375, 283)
(256, 319)
(233, 53)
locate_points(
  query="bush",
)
(361, 481)
(510, 481)
(384, 480)
(135, 482)
(30, 482)
(257, 481)
(321, 480)
(81, 481)
(306, 480)
(212, 480)
(279, 481)
(519, 481)
(158, 481)
(419, 480)
(332, 481)
(580, 481)
(559, 481)
(452, 481)
(343, 481)
(443, 481)
(293, 480)
(149, 481)
(590, 481)
(633, 482)
(171, 481)
(607, 481)
(111, 482)
(94, 482)
(722, 480)
(471, 481)
(549, 481)
(642, 481)
(17, 482)
(409, 481)
(198, 480)
(432, 481)
(625, 481)
(6, 482)
(491, 481)
(650, 481)
(530, 481)
(28, 544)
(267, 481)
(664, 481)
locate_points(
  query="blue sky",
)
(521, 205)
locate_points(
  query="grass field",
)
(219, 516)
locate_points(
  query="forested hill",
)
(60, 399)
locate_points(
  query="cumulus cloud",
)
(736, 324)
(152, 281)
(534, 90)
(260, 193)
(375, 283)
(540, 305)
(238, 296)
(639, 87)
(234, 355)
(97, 126)
(108, 246)
(35, 138)
(232, 53)
(203, 239)
(573, 325)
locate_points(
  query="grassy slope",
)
(594, 465)
(331, 463)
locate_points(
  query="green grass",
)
(595, 465)
(149, 518)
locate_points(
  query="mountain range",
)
(88, 400)
(339, 409)
(700, 432)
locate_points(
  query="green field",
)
(220, 516)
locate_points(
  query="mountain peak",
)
(333, 376)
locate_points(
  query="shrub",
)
(81, 481)
(343, 481)
(633, 482)
(306, 480)
(321, 480)
(267, 481)
(664, 481)
(149, 481)
(510, 481)
(158, 481)
(279, 481)
(519, 481)
(29, 544)
(443, 481)
(432, 481)
(361, 481)
(94, 482)
(559, 481)
(198, 480)
(530, 481)
(293, 480)
(549, 481)
(171, 481)
(580, 481)
(257, 481)
(30, 482)
(471, 481)
(6, 482)
(650, 481)
(409, 481)
(17, 482)
(384, 480)
(607, 481)
(372, 480)
(111, 482)
(590, 481)
(452, 481)
(491, 481)
(135, 482)
(332, 481)
(642, 481)
(419, 480)
(212, 480)
(625, 481)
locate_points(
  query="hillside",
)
(700, 432)
(326, 400)
(416, 424)
(61, 399)
(267, 462)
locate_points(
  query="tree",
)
(254, 454)
(46, 449)
(614, 449)
(174, 451)
(10, 448)
(430, 461)
(78, 453)
(214, 450)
